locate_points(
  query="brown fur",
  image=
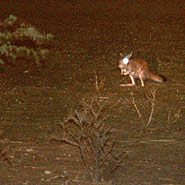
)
(137, 68)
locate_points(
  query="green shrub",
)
(19, 40)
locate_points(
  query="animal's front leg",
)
(131, 84)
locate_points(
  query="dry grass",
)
(151, 98)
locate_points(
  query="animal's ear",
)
(121, 55)
(129, 56)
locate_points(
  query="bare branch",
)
(152, 102)
(91, 135)
(67, 141)
(138, 112)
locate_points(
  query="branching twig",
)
(138, 112)
(67, 141)
(92, 137)
(99, 85)
(4, 153)
(172, 119)
(152, 102)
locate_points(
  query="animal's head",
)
(123, 62)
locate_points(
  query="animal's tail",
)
(156, 78)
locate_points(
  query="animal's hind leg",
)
(142, 81)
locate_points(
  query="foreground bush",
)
(87, 130)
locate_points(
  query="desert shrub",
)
(20, 40)
(87, 130)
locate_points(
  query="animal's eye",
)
(125, 60)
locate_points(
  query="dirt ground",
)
(89, 35)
